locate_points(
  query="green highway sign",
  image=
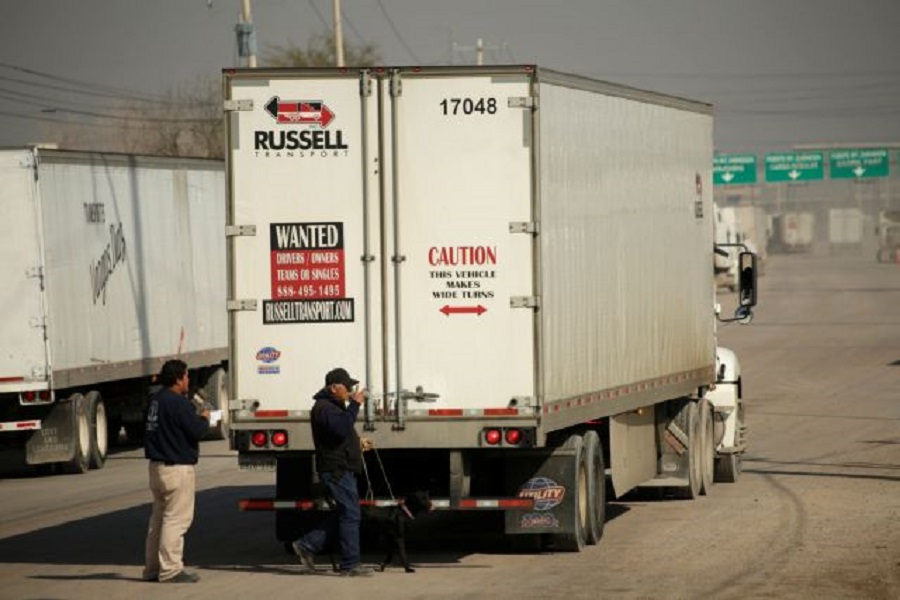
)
(731, 169)
(859, 163)
(794, 166)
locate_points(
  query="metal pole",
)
(338, 35)
(247, 18)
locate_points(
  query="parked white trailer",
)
(112, 264)
(845, 227)
(753, 230)
(792, 232)
(888, 236)
(517, 263)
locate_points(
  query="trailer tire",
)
(707, 447)
(728, 466)
(96, 410)
(688, 420)
(81, 438)
(596, 474)
(575, 541)
(216, 393)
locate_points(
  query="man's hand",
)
(360, 396)
(365, 444)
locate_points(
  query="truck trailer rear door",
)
(461, 241)
(24, 358)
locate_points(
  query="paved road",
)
(815, 515)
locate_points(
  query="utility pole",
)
(246, 37)
(479, 49)
(338, 34)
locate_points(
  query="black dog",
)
(391, 523)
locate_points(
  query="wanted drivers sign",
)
(308, 274)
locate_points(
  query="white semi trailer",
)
(516, 262)
(111, 265)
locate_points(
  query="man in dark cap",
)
(338, 462)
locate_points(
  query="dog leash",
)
(370, 492)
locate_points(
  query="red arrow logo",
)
(448, 310)
(299, 111)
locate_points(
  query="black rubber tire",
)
(728, 466)
(81, 436)
(216, 394)
(596, 472)
(574, 542)
(707, 447)
(688, 420)
(96, 410)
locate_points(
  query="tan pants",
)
(173, 512)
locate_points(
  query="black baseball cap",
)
(341, 376)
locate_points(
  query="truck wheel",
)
(80, 461)
(216, 393)
(728, 466)
(596, 484)
(574, 542)
(96, 410)
(688, 420)
(707, 447)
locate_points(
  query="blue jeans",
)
(345, 519)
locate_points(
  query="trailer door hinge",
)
(240, 105)
(365, 84)
(524, 302)
(522, 102)
(524, 227)
(239, 230)
(235, 305)
(396, 85)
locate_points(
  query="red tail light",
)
(259, 438)
(513, 436)
(279, 438)
(492, 437)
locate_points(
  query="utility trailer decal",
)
(308, 274)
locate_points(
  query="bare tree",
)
(185, 122)
(319, 52)
(188, 120)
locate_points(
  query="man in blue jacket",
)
(173, 431)
(338, 462)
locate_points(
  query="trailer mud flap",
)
(550, 480)
(55, 440)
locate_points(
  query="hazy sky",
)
(780, 72)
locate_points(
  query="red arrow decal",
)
(448, 310)
(299, 111)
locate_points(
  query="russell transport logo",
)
(546, 493)
(293, 112)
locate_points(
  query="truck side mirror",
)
(747, 279)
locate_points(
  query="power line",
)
(112, 92)
(397, 32)
(319, 14)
